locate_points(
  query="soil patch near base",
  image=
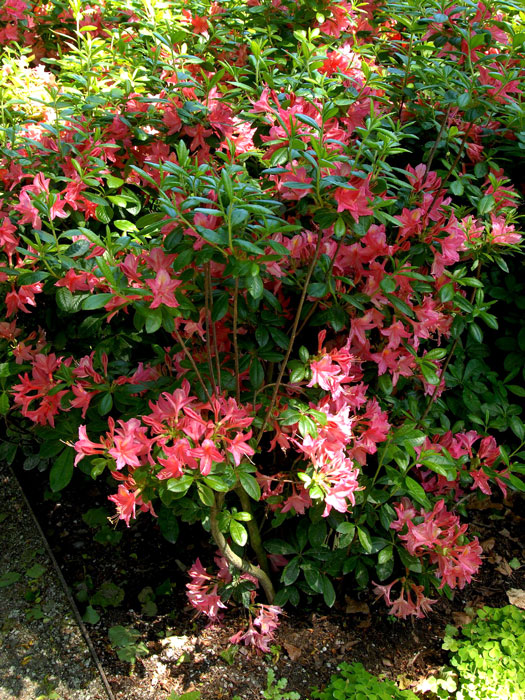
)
(185, 654)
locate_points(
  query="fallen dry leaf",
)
(354, 606)
(488, 545)
(504, 568)
(462, 618)
(483, 504)
(365, 624)
(516, 597)
(349, 645)
(293, 652)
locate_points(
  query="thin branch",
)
(456, 161)
(405, 77)
(192, 362)
(436, 142)
(316, 303)
(235, 342)
(207, 313)
(214, 331)
(447, 362)
(293, 334)
(436, 388)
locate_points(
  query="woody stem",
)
(233, 558)
(253, 531)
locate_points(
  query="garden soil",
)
(184, 654)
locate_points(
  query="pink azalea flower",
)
(238, 447)
(163, 288)
(208, 453)
(126, 503)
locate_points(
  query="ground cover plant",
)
(247, 259)
(488, 654)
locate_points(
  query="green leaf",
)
(256, 373)
(35, 571)
(328, 591)
(8, 578)
(255, 286)
(68, 302)
(216, 483)
(105, 404)
(190, 695)
(408, 435)
(279, 337)
(248, 246)
(385, 555)
(290, 416)
(168, 524)
(205, 494)
(108, 594)
(180, 485)
(104, 214)
(96, 301)
(314, 579)
(317, 290)
(429, 373)
(388, 284)
(440, 464)
(364, 539)
(91, 616)
(62, 470)
(384, 570)
(153, 320)
(297, 375)
(400, 305)
(308, 120)
(76, 249)
(486, 204)
(291, 571)
(242, 516)
(120, 636)
(238, 532)
(417, 492)
(517, 427)
(346, 531)
(307, 426)
(317, 533)
(250, 485)
(95, 517)
(220, 307)
(457, 188)
(113, 181)
(361, 574)
(518, 484)
(279, 547)
(446, 293)
(476, 332)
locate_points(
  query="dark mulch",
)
(184, 654)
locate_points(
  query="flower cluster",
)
(477, 467)
(439, 535)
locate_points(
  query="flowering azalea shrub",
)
(244, 247)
